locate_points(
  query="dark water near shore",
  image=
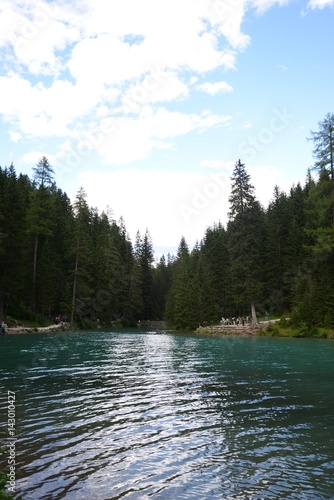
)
(141, 415)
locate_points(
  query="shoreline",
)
(235, 330)
(35, 329)
(261, 330)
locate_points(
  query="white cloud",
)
(32, 157)
(105, 59)
(108, 60)
(9, 22)
(223, 166)
(39, 51)
(320, 4)
(157, 86)
(171, 204)
(227, 17)
(264, 5)
(247, 124)
(215, 88)
(263, 177)
(35, 34)
(14, 136)
(132, 138)
(146, 33)
(172, 36)
(42, 111)
(76, 64)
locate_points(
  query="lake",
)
(140, 414)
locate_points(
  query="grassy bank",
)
(284, 328)
(274, 328)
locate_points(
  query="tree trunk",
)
(74, 289)
(33, 298)
(1, 309)
(254, 322)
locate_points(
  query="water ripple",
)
(144, 415)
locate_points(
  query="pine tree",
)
(55, 258)
(145, 258)
(324, 152)
(39, 216)
(217, 272)
(313, 292)
(278, 220)
(43, 173)
(162, 279)
(14, 202)
(62, 214)
(132, 302)
(242, 196)
(82, 274)
(246, 242)
(182, 304)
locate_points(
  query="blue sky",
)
(149, 104)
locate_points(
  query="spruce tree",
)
(278, 219)
(146, 264)
(39, 215)
(82, 252)
(246, 242)
(313, 291)
(217, 272)
(182, 302)
(14, 203)
(162, 277)
(324, 152)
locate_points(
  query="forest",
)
(59, 258)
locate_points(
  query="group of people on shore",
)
(235, 321)
(60, 320)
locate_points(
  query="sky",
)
(148, 104)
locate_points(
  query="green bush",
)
(272, 330)
(26, 317)
(85, 324)
(285, 321)
(302, 331)
(127, 323)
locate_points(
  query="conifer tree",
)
(246, 242)
(39, 220)
(162, 278)
(313, 296)
(14, 202)
(62, 215)
(214, 252)
(324, 152)
(278, 220)
(182, 304)
(81, 291)
(145, 256)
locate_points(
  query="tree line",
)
(59, 259)
(62, 258)
(277, 259)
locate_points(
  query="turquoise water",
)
(164, 415)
